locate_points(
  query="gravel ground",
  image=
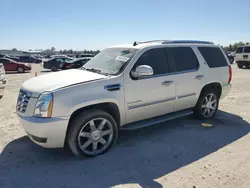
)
(178, 153)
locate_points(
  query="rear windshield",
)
(213, 56)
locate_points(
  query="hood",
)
(52, 81)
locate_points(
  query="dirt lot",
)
(178, 153)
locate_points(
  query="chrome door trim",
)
(187, 95)
(150, 103)
(167, 74)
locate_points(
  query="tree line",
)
(233, 47)
(230, 48)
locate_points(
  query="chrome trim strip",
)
(168, 74)
(187, 95)
(150, 103)
(132, 102)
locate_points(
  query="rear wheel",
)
(207, 104)
(91, 133)
(20, 70)
(53, 68)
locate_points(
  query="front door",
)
(150, 96)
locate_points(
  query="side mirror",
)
(142, 70)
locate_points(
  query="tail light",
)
(230, 74)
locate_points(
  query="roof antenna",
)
(135, 43)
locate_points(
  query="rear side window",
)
(183, 58)
(155, 58)
(213, 56)
(4, 61)
(247, 49)
(239, 50)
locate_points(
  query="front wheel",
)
(207, 104)
(91, 133)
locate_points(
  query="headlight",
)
(44, 105)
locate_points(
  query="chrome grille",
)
(23, 100)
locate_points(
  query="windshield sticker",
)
(122, 58)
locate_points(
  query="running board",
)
(156, 120)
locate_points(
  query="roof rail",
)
(174, 42)
(136, 43)
(186, 41)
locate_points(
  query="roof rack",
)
(187, 41)
(175, 42)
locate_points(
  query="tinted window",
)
(4, 61)
(213, 56)
(247, 49)
(239, 50)
(155, 58)
(59, 60)
(183, 58)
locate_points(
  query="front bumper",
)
(46, 132)
(3, 83)
(225, 90)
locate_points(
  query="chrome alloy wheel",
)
(209, 105)
(95, 136)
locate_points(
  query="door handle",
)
(199, 77)
(167, 83)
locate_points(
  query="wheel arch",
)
(214, 85)
(110, 107)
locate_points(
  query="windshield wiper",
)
(94, 70)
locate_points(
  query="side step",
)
(156, 120)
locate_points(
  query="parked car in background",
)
(76, 63)
(123, 87)
(86, 55)
(3, 80)
(230, 56)
(59, 56)
(11, 65)
(4, 56)
(242, 56)
(29, 59)
(14, 58)
(56, 63)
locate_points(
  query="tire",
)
(93, 141)
(53, 68)
(20, 70)
(240, 66)
(203, 108)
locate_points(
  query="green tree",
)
(14, 49)
(53, 49)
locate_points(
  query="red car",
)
(11, 65)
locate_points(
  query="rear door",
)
(187, 74)
(246, 53)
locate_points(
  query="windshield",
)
(111, 61)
